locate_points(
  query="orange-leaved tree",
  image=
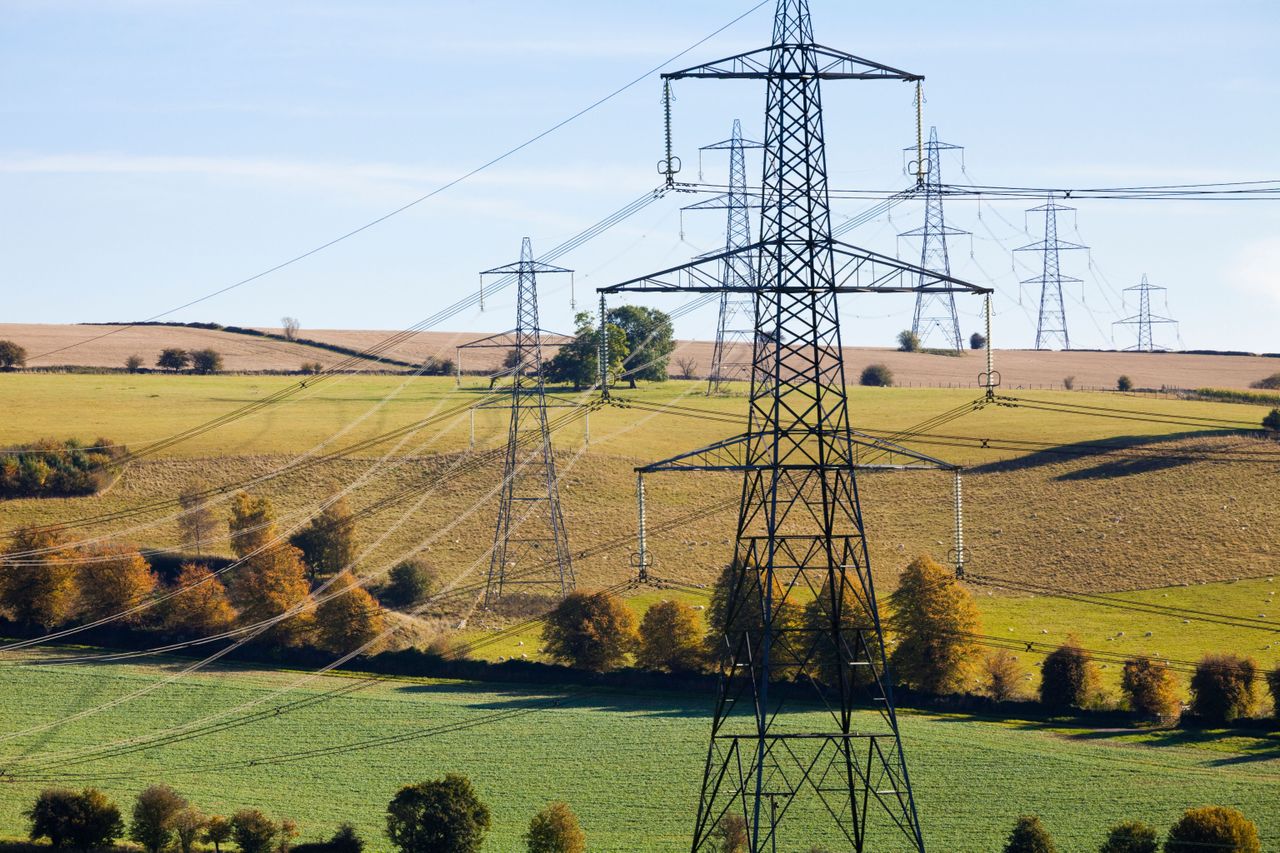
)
(200, 605)
(934, 621)
(269, 584)
(252, 523)
(671, 638)
(114, 579)
(347, 617)
(37, 578)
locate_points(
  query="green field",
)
(629, 764)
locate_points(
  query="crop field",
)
(630, 765)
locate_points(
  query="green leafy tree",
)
(443, 816)
(933, 618)
(671, 635)
(578, 362)
(217, 831)
(1213, 828)
(1223, 688)
(1152, 690)
(555, 829)
(328, 542)
(1132, 836)
(173, 358)
(410, 583)
(1272, 420)
(650, 340)
(12, 355)
(908, 341)
(876, 375)
(206, 361)
(133, 363)
(1124, 383)
(730, 835)
(1068, 678)
(253, 831)
(154, 815)
(1029, 836)
(86, 820)
(977, 340)
(591, 630)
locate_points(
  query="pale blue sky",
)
(154, 151)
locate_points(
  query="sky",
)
(155, 151)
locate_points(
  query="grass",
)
(630, 765)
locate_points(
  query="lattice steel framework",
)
(800, 536)
(530, 529)
(1051, 324)
(1144, 319)
(935, 312)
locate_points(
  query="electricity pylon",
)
(735, 324)
(1144, 319)
(935, 311)
(1051, 324)
(530, 529)
(800, 537)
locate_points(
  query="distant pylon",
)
(935, 311)
(530, 530)
(1144, 319)
(1051, 324)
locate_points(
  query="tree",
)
(687, 367)
(286, 833)
(154, 814)
(649, 341)
(1029, 836)
(908, 341)
(197, 522)
(1223, 688)
(443, 816)
(1213, 827)
(410, 582)
(51, 815)
(1132, 836)
(205, 361)
(270, 584)
(133, 363)
(113, 579)
(346, 840)
(12, 355)
(200, 605)
(173, 358)
(187, 826)
(86, 820)
(591, 630)
(217, 831)
(1003, 675)
(1124, 383)
(253, 831)
(40, 587)
(857, 639)
(1150, 687)
(348, 618)
(435, 366)
(1068, 677)
(933, 619)
(578, 361)
(730, 835)
(290, 326)
(736, 608)
(1270, 383)
(328, 542)
(876, 375)
(977, 340)
(1273, 684)
(252, 523)
(1069, 382)
(671, 638)
(555, 829)
(312, 367)
(1272, 420)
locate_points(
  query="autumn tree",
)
(113, 579)
(1152, 690)
(37, 578)
(443, 816)
(730, 835)
(591, 630)
(1213, 828)
(197, 525)
(1273, 684)
(188, 824)
(555, 829)
(1223, 688)
(285, 835)
(934, 620)
(154, 813)
(252, 523)
(348, 617)
(858, 643)
(86, 820)
(1002, 675)
(1068, 677)
(253, 831)
(1132, 836)
(670, 638)
(199, 605)
(269, 584)
(737, 609)
(1029, 836)
(328, 542)
(217, 831)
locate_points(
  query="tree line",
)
(52, 468)
(1197, 830)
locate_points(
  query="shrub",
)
(1029, 836)
(312, 367)
(113, 579)
(52, 468)
(1270, 383)
(39, 588)
(217, 831)
(133, 363)
(1124, 383)
(444, 816)
(670, 638)
(206, 361)
(328, 542)
(348, 618)
(1132, 836)
(1002, 675)
(12, 355)
(154, 813)
(173, 358)
(1069, 382)
(736, 609)
(592, 630)
(346, 840)
(555, 829)
(1150, 687)
(202, 607)
(1272, 420)
(932, 614)
(1222, 688)
(977, 340)
(1273, 684)
(253, 831)
(730, 835)
(433, 366)
(1216, 827)
(908, 341)
(1068, 678)
(85, 820)
(410, 583)
(877, 375)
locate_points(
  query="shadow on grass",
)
(1107, 466)
(656, 704)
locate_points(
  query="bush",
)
(908, 341)
(1124, 383)
(1272, 420)
(410, 583)
(592, 630)
(206, 361)
(1068, 678)
(52, 468)
(1132, 836)
(1150, 687)
(12, 355)
(1002, 675)
(444, 816)
(977, 340)
(730, 835)
(312, 367)
(555, 829)
(932, 616)
(253, 831)
(1216, 827)
(133, 363)
(1273, 684)
(1029, 836)
(1271, 383)
(671, 638)
(1222, 688)
(1069, 382)
(86, 821)
(154, 813)
(877, 375)
(433, 366)
(173, 358)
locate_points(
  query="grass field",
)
(630, 765)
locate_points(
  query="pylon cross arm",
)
(831, 64)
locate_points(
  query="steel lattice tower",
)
(1144, 319)
(1051, 324)
(530, 529)
(800, 537)
(935, 310)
